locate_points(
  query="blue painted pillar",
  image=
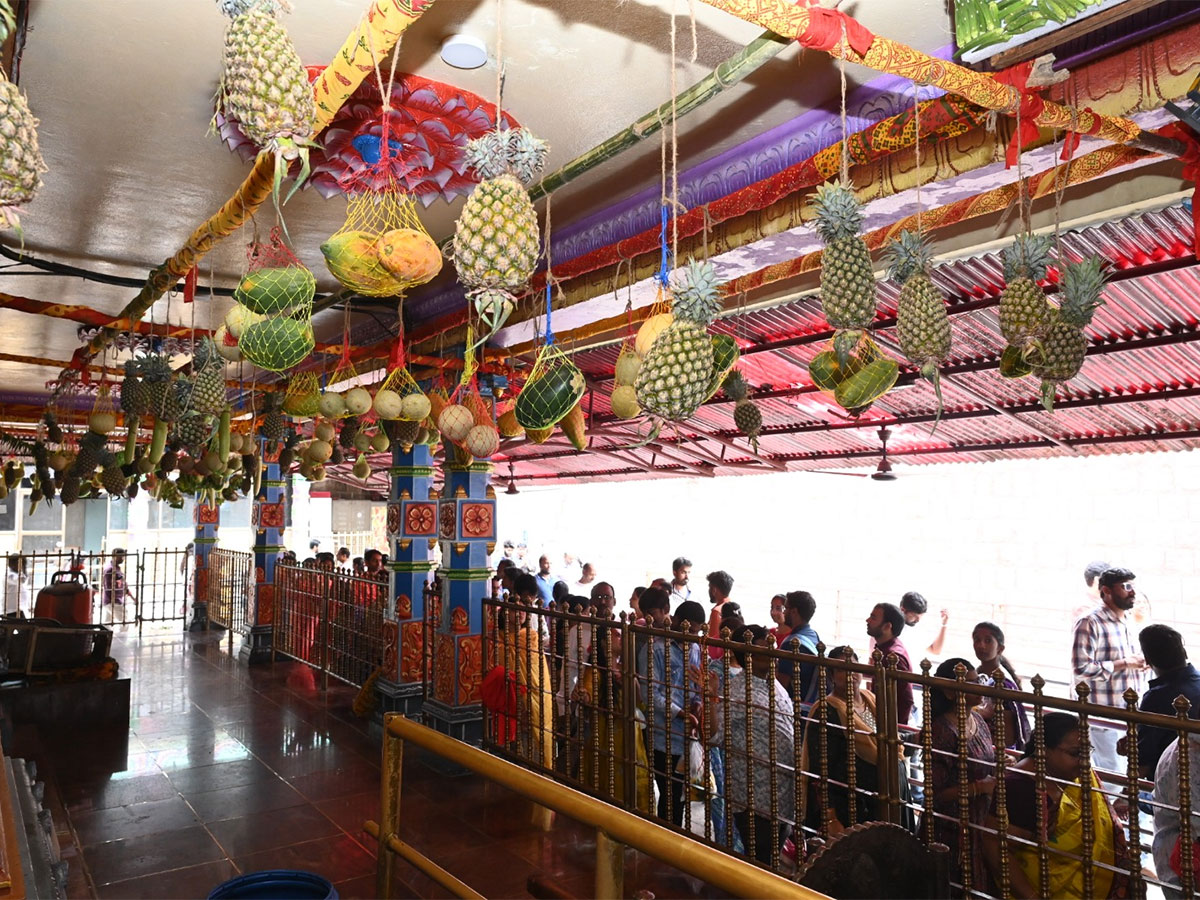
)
(467, 531)
(208, 519)
(412, 532)
(267, 520)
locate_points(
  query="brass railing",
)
(737, 761)
(615, 828)
(230, 575)
(331, 621)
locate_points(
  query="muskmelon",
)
(549, 396)
(276, 291)
(238, 319)
(277, 344)
(649, 332)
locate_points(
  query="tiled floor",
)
(228, 769)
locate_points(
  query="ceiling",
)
(124, 93)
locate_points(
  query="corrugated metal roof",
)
(1138, 391)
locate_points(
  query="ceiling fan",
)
(883, 471)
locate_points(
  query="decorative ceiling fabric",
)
(429, 123)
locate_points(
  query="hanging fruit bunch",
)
(554, 386)
(922, 323)
(302, 399)
(1025, 314)
(272, 317)
(20, 159)
(1064, 345)
(746, 414)
(853, 369)
(496, 239)
(264, 86)
(679, 364)
(624, 396)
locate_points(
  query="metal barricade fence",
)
(228, 589)
(158, 584)
(330, 621)
(702, 735)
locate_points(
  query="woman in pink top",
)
(720, 585)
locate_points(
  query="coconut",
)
(380, 442)
(388, 404)
(415, 407)
(455, 421)
(324, 432)
(624, 402)
(332, 405)
(482, 441)
(628, 365)
(650, 330)
(238, 319)
(358, 401)
(102, 422)
(319, 451)
(362, 469)
(362, 442)
(318, 473)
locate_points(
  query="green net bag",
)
(553, 387)
(275, 283)
(303, 396)
(382, 249)
(863, 375)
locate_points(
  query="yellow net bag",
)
(334, 403)
(399, 397)
(855, 376)
(382, 249)
(303, 396)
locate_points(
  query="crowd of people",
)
(793, 769)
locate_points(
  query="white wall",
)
(1006, 541)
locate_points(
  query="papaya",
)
(352, 257)
(276, 291)
(866, 386)
(573, 426)
(438, 400)
(410, 255)
(1013, 364)
(539, 435)
(827, 374)
(508, 424)
(549, 396)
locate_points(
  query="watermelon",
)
(277, 344)
(276, 291)
(549, 395)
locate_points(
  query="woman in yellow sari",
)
(1063, 808)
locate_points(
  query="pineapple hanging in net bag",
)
(273, 312)
(302, 399)
(496, 238)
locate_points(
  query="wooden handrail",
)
(726, 873)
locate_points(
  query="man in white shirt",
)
(681, 569)
(922, 641)
(1167, 807)
(16, 586)
(586, 580)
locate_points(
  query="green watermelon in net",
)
(277, 344)
(277, 290)
(553, 388)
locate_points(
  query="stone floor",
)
(227, 769)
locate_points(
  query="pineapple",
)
(208, 380)
(496, 238)
(674, 377)
(112, 477)
(135, 398)
(847, 277)
(156, 381)
(91, 450)
(272, 422)
(1024, 312)
(922, 323)
(746, 415)
(194, 430)
(264, 86)
(21, 164)
(1064, 345)
(70, 490)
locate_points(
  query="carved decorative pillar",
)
(467, 530)
(267, 519)
(208, 519)
(412, 531)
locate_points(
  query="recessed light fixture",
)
(464, 52)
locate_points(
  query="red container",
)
(66, 598)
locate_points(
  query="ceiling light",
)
(464, 52)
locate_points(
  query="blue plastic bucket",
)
(277, 884)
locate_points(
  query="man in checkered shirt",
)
(1105, 657)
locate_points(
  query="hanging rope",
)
(499, 61)
(549, 278)
(845, 172)
(917, 147)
